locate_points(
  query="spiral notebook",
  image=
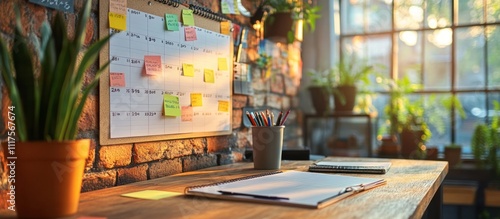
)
(351, 167)
(292, 188)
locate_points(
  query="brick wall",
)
(113, 165)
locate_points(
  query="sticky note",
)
(190, 34)
(209, 75)
(117, 21)
(188, 70)
(153, 65)
(171, 105)
(235, 6)
(116, 79)
(225, 27)
(223, 106)
(225, 7)
(118, 6)
(196, 99)
(187, 17)
(151, 194)
(171, 22)
(187, 114)
(222, 63)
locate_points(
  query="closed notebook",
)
(350, 167)
(292, 188)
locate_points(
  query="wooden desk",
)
(411, 185)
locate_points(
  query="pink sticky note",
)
(187, 114)
(153, 65)
(116, 79)
(189, 33)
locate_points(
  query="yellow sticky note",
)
(151, 194)
(209, 75)
(188, 70)
(187, 114)
(196, 99)
(223, 106)
(187, 17)
(225, 27)
(117, 21)
(222, 64)
(171, 105)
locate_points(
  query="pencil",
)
(285, 117)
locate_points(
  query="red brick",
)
(115, 155)
(259, 100)
(244, 139)
(7, 16)
(274, 101)
(132, 174)
(39, 16)
(88, 118)
(198, 144)
(199, 162)
(218, 144)
(237, 156)
(290, 88)
(100, 180)
(89, 32)
(277, 84)
(6, 102)
(149, 151)
(70, 25)
(89, 163)
(237, 118)
(239, 101)
(165, 168)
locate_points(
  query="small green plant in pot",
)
(321, 89)
(47, 94)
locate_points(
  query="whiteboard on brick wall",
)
(190, 95)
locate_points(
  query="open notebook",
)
(294, 188)
(351, 167)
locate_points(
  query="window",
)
(451, 47)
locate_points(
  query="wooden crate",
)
(459, 194)
(491, 197)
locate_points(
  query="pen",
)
(285, 117)
(253, 195)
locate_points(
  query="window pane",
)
(495, 96)
(379, 14)
(352, 16)
(437, 117)
(469, 61)
(438, 13)
(492, 10)
(470, 11)
(437, 59)
(408, 14)
(493, 34)
(475, 110)
(409, 54)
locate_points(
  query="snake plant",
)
(46, 86)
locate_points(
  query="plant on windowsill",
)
(321, 89)
(47, 94)
(287, 19)
(492, 192)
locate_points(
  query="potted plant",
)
(348, 74)
(480, 144)
(287, 17)
(453, 154)
(47, 94)
(492, 192)
(321, 89)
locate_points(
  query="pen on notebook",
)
(253, 195)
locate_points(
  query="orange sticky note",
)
(153, 65)
(189, 34)
(225, 27)
(117, 21)
(188, 70)
(118, 6)
(223, 106)
(116, 79)
(187, 114)
(196, 99)
(222, 63)
(209, 75)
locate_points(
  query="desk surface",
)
(411, 184)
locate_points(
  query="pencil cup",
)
(267, 147)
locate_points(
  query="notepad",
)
(351, 167)
(292, 188)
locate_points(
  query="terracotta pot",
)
(410, 141)
(277, 25)
(389, 146)
(349, 94)
(453, 155)
(48, 177)
(432, 153)
(320, 99)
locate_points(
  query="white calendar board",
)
(134, 111)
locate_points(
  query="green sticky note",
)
(171, 105)
(209, 75)
(171, 22)
(188, 70)
(151, 194)
(187, 17)
(225, 7)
